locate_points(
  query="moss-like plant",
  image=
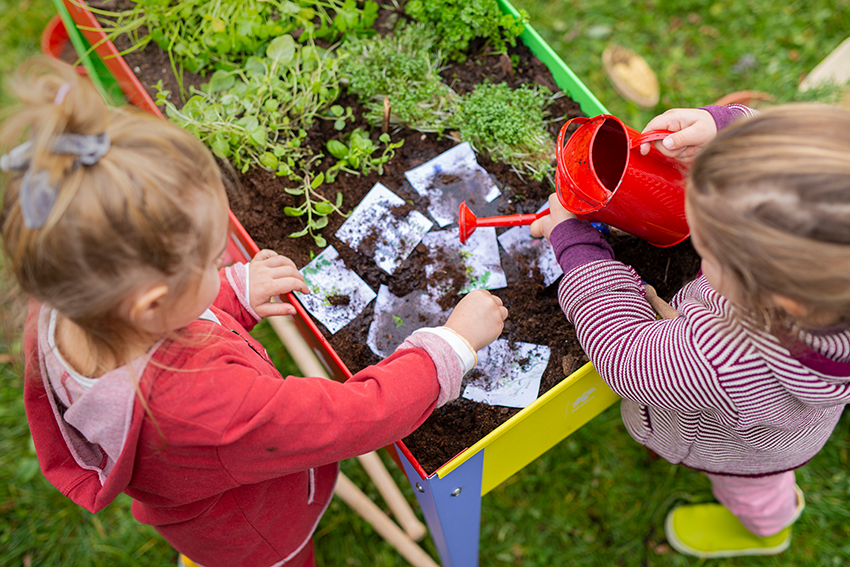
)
(459, 22)
(404, 67)
(509, 125)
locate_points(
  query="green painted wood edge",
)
(98, 73)
(563, 75)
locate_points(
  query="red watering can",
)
(602, 177)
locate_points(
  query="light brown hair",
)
(141, 212)
(771, 196)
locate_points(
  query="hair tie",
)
(61, 93)
(36, 195)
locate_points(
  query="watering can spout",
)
(468, 222)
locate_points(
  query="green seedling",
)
(399, 322)
(509, 126)
(404, 67)
(315, 208)
(339, 115)
(214, 34)
(459, 22)
(355, 155)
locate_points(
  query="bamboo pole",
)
(360, 503)
(307, 362)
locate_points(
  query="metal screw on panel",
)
(456, 491)
(419, 487)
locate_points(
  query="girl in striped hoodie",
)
(749, 376)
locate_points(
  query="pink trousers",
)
(764, 505)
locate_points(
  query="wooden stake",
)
(360, 503)
(303, 356)
(386, 125)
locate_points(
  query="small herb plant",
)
(315, 209)
(459, 22)
(509, 125)
(258, 115)
(221, 34)
(354, 155)
(403, 67)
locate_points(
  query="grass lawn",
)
(597, 499)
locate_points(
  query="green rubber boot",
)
(710, 530)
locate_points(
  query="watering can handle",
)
(577, 120)
(650, 136)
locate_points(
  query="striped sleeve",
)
(661, 363)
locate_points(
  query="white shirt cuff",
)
(465, 353)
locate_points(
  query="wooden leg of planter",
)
(402, 511)
(371, 462)
(360, 503)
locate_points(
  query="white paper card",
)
(338, 295)
(470, 182)
(478, 257)
(508, 377)
(518, 241)
(389, 240)
(396, 318)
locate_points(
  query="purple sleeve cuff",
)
(577, 243)
(726, 115)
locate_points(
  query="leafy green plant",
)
(459, 22)
(258, 114)
(315, 208)
(221, 34)
(354, 155)
(404, 67)
(339, 115)
(509, 125)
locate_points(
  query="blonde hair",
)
(137, 214)
(771, 198)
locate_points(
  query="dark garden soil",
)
(259, 199)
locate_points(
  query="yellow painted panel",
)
(538, 427)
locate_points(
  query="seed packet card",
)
(451, 178)
(384, 227)
(452, 266)
(338, 295)
(507, 375)
(396, 318)
(525, 252)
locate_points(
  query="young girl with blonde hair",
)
(141, 376)
(749, 377)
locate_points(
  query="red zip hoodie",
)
(232, 463)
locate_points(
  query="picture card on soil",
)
(517, 241)
(478, 258)
(375, 230)
(449, 179)
(508, 374)
(337, 295)
(395, 318)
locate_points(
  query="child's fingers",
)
(286, 285)
(278, 260)
(281, 272)
(275, 308)
(264, 254)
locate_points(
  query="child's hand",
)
(270, 275)
(692, 129)
(479, 318)
(557, 214)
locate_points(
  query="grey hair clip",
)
(36, 195)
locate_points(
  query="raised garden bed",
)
(258, 200)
